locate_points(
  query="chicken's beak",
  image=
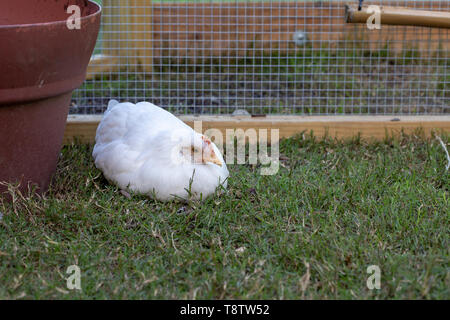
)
(208, 152)
(212, 158)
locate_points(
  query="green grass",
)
(308, 232)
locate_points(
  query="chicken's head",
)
(200, 150)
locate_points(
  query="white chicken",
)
(145, 149)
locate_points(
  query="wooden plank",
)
(127, 32)
(117, 26)
(141, 32)
(399, 16)
(83, 127)
(101, 64)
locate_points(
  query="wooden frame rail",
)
(82, 128)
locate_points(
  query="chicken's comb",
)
(206, 140)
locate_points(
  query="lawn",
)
(310, 231)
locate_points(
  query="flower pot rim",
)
(51, 23)
(35, 71)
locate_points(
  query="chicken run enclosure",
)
(292, 64)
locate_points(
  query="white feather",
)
(136, 145)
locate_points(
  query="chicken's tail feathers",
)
(111, 104)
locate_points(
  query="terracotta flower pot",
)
(41, 62)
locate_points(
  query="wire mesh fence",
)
(267, 57)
